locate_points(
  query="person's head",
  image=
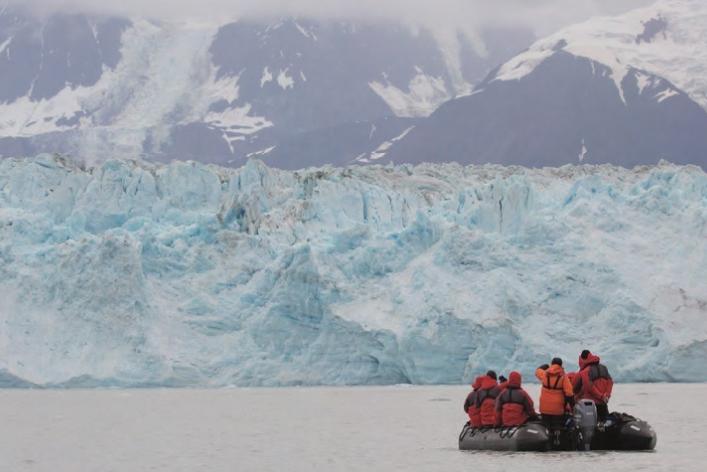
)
(586, 358)
(502, 379)
(515, 379)
(491, 374)
(556, 361)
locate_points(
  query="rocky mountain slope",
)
(625, 90)
(300, 92)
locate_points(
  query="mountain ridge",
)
(600, 91)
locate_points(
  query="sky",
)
(543, 16)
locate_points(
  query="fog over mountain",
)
(544, 16)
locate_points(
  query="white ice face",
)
(187, 274)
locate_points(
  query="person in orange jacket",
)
(556, 393)
(514, 406)
(470, 404)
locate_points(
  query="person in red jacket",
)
(470, 404)
(593, 382)
(514, 406)
(486, 399)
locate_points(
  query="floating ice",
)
(185, 274)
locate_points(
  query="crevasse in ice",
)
(183, 274)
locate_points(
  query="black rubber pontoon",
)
(629, 435)
(528, 437)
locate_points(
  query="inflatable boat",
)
(582, 431)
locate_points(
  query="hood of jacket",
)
(591, 359)
(477, 383)
(555, 370)
(514, 379)
(487, 382)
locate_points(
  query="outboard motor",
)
(585, 417)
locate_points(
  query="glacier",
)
(183, 274)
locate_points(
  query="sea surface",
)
(302, 429)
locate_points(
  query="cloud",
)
(543, 16)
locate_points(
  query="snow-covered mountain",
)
(299, 91)
(186, 274)
(628, 90)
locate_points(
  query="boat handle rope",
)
(508, 433)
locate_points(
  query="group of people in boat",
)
(500, 402)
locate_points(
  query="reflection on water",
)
(332, 429)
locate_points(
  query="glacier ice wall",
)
(131, 274)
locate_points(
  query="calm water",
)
(331, 429)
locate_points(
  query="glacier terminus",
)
(185, 274)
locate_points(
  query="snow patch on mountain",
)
(194, 275)
(284, 80)
(644, 81)
(5, 44)
(307, 33)
(449, 44)
(26, 117)
(262, 152)
(266, 78)
(523, 64)
(666, 94)
(239, 121)
(677, 51)
(423, 96)
(583, 151)
(382, 150)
